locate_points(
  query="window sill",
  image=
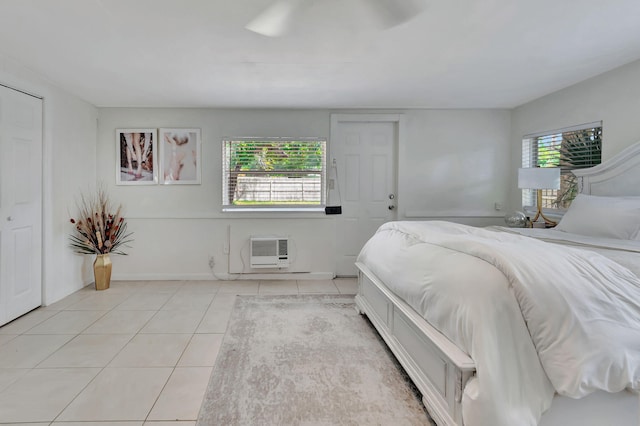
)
(273, 209)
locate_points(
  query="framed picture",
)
(136, 162)
(180, 156)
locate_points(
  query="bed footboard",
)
(437, 367)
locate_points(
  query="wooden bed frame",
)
(440, 369)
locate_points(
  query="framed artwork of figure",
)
(180, 156)
(136, 162)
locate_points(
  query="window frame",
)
(530, 152)
(285, 207)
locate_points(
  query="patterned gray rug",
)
(306, 360)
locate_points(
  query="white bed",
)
(494, 385)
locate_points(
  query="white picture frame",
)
(180, 156)
(136, 152)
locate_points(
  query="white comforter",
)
(535, 317)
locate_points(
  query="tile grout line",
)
(128, 293)
(101, 368)
(178, 360)
(107, 364)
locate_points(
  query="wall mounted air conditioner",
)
(269, 252)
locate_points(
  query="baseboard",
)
(224, 276)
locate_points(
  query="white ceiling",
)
(197, 53)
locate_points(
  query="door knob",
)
(392, 207)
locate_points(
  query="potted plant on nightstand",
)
(99, 230)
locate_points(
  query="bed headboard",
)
(618, 176)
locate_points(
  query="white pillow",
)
(605, 217)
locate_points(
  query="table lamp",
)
(540, 178)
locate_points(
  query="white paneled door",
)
(20, 203)
(364, 148)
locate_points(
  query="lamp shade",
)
(539, 178)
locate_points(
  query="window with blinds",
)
(269, 173)
(572, 148)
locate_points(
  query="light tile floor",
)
(139, 353)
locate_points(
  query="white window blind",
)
(571, 148)
(273, 172)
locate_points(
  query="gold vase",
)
(102, 271)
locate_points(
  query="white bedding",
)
(535, 317)
(624, 252)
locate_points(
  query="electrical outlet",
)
(211, 262)
(498, 205)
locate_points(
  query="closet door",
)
(20, 203)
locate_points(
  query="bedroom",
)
(76, 130)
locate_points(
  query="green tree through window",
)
(568, 149)
(274, 172)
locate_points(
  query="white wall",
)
(613, 97)
(455, 165)
(177, 227)
(69, 157)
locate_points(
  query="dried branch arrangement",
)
(99, 230)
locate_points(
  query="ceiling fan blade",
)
(390, 13)
(276, 19)
(282, 15)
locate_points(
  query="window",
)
(273, 173)
(572, 148)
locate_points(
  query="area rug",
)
(306, 360)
